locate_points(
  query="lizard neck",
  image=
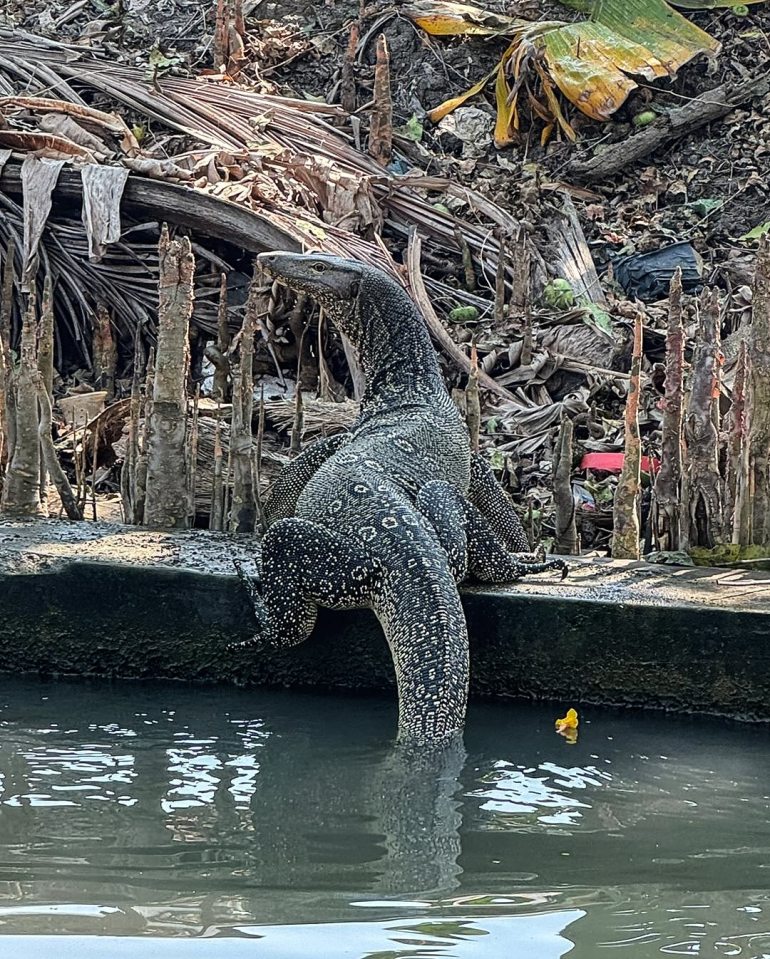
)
(394, 347)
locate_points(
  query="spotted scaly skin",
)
(394, 514)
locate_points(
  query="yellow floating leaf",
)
(570, 721)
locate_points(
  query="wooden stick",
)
(222, 378)
(21, 489)
(566, 539)
(499, 316)
(625, 535)
(667, 490)
(702, 520)
(57, 474)
(348, 76)
(167, 501)
(258, 461)
(192, 460)
(381, 126)
(95, 455)
(759, 430)
(738, 450)
(243, 516)
(147, 426)
(467, 257)
(7, 411)
(215, 517)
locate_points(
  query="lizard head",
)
(332, 281)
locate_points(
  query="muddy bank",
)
(107, 600)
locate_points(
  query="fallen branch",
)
(709, 106)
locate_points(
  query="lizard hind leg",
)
(304, 566)
(490, 498)
(443, 507)
(470, 540)
(490, 562)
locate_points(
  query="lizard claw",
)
(243, 644)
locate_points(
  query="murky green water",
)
(157, 821)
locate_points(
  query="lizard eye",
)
(319, 268)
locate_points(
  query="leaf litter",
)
(262, 135)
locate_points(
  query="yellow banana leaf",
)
(454, 102)
(444, 18)
(592, 62)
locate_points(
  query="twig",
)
(500, 279)
(467, 258)
(435, 325)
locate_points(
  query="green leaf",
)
(705, 206)
(596, 316)
(757, 232)
(714, 4)
(160, 62)
(412, 129)
(463, 314)
(559, 295)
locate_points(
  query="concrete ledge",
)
(108, 600)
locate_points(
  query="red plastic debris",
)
(613, 462)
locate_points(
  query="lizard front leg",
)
(305, 565)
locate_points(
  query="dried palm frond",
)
(277, 135)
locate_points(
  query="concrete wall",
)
(112, 619)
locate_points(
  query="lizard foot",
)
(543, 566)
